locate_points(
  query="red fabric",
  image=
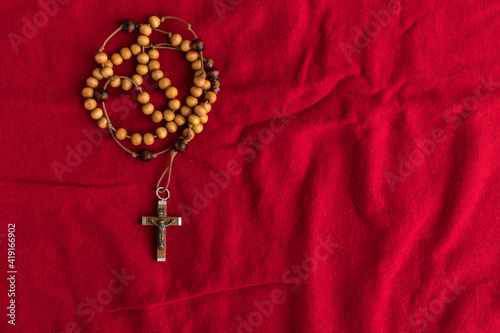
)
(351, 164)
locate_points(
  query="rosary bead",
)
(145, 29)
(194, 119)
(92, 82)
(186, 110)
(102, 123)
(116, 59)
(116, 82)
(176, 40)
(135, 49)
(203, 119)
(199, 81)
(196, 91)
(137, 79)
(153, 65)
(191, 101)
(96, 113)
(142, 58)
(157, 116)
(146, 155)
(207, 85)
(108, 63)
(157, 74)
(171, 127)
(101, 95)
(154, 21)
(211, 97)
(101, 58)
(185, 45)
(136, 139)
(143, 40)
(88, 92)
(213, 74)
(164, 83)
(196, 65)
(188, 133)
(174, 104)
(208, 106)
(121, 133)
(90, 104)
(169, 115)
(200, 110)
(198, 45)
(126, 84)
(97, 74)
(143, 97)
(148, 139)
(148, 108)
(179, 120)
(191, 56)
(180, 146)
(141, 69)
(198, 128)
(126, 53)
(161, 132)
(129, 26)
(153, 54)
(171, 92)
(106, 72)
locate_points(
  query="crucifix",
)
(161, 222)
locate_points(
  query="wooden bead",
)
(171, 92)
(129, 26)
(164, 83)
(204, 119)
(101, 58)
(168, 115)
(136, 139)
(96, 113)
(101, 95)
(126, 53)
(194, 119)
(185, 45)
(157, 74)
(213, 74)
(137, 79)
(161, 132)
(211, 97)
(88, 92)
(208, 106)
(116, 59)
(191, 101)
(90, 104)
(141, 69)
(157, 116)
(200, 110)
(108, 63)
(199, 81)
(106, 72)
(126, 85)
(153, 54)
(196, 65)
(116, 82)
(154, 21)
(188, 133)
(148, 139)
(102, 123)
(207, 85)
(180, 146)
(191, 56)
(198, 128)
(153, 65)
(143, 97)
(148, 108)
(176, 40)
(121, 133)
(198, 45)
(97, 73)
(146, 155)
(143, 40)
(171, 127)
(92, 82)
(145, 29)
(142, 58)
(185, 110)
(196, 91)
(179, 120)
(135, 49)
(174, 104)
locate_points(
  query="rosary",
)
(192, 114)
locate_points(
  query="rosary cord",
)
(169, 168)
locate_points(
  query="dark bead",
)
(101, 95)
(129, 26)
(197, 45)
(180, 146)
(213, 74)
(145, 155)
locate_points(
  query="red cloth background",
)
(361, 143)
